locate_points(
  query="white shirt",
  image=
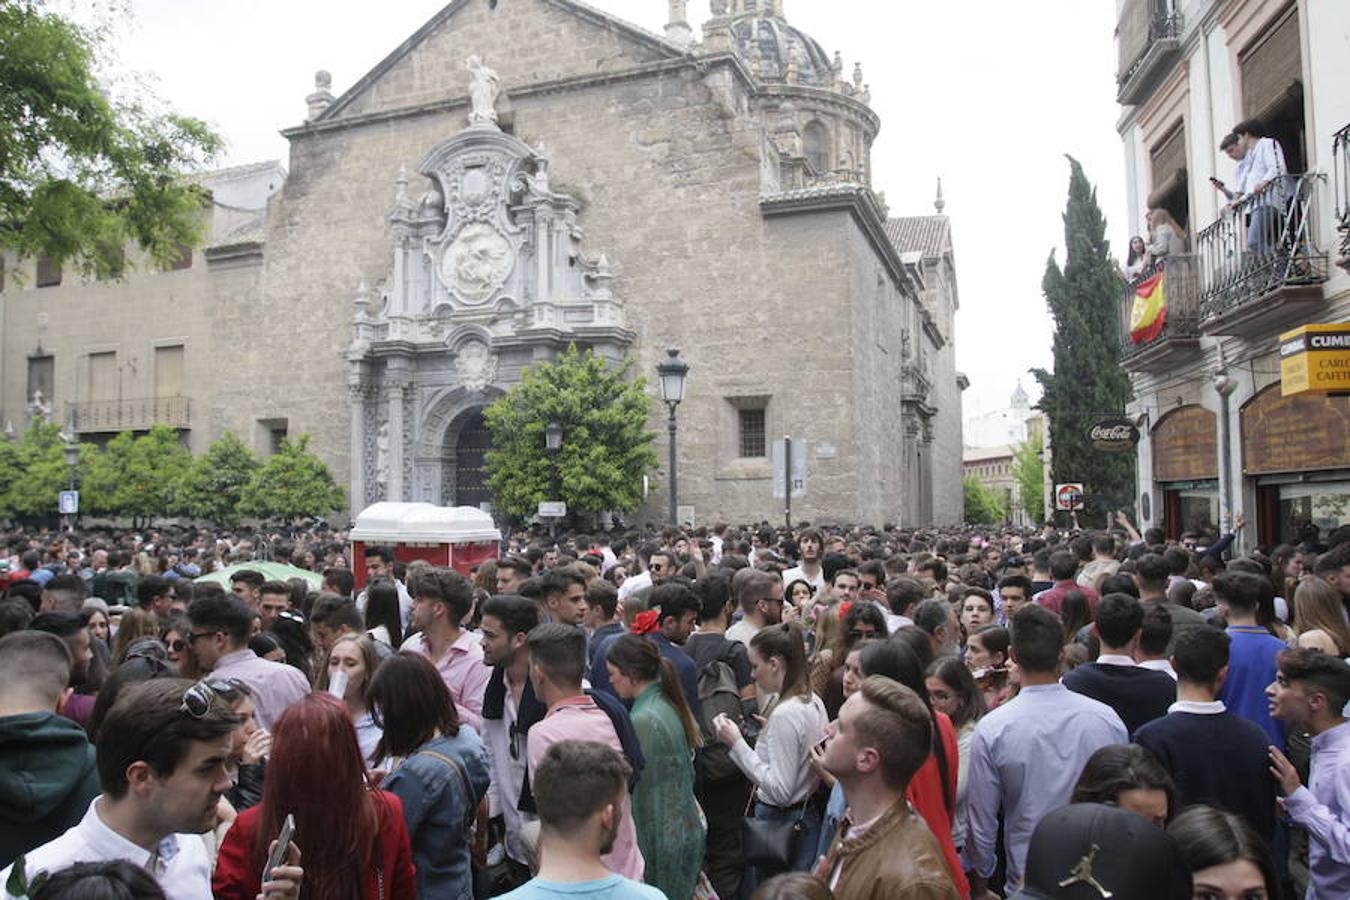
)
(742, 631)
(1115, 659)
(779, 765)
(1198, 707)
(508, 775)
(1159, 665)
(179, 864)
(818, 582)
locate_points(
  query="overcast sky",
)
(986, 94)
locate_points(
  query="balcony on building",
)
(1179, 337)
(1262, 264)
(1340, 167)
(114, 416)
(1148, 39)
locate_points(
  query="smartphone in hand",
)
(278, 854)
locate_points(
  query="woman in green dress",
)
(670, 827)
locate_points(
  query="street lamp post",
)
(553, 437)
(673, 371)
(72, 451)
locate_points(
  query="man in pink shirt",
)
(557, 662)
(1064, 568)
(441, 600)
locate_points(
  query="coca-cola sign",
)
(1114, 435)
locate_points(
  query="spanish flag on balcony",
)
(1148, 315)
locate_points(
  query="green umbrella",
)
(272, 571)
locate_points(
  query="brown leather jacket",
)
(896, 859)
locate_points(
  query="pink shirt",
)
(274, 685)
(579, 719)
(463, 672)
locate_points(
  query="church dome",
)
(768, 43)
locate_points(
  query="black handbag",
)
(768, 843)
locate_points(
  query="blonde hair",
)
(1318, 607)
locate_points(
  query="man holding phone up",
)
(161, 759)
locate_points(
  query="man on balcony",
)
(1260, 182)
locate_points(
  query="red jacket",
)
(237, 878)
(925, 794)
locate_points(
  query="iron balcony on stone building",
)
(140, 414)
(1340, 167)
(1149, 40)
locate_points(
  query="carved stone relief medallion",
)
(477, 263)
(475, 366)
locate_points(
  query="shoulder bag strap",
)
(464, 781)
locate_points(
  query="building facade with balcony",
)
(102, 357)
(1200, 333)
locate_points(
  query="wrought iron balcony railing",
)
(1147, 35)
(1147, 344)
(129, 415)
(1267, 243)
(1340, 170)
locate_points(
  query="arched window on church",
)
(816, 146)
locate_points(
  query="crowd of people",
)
(734, 712)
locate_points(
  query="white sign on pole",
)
(552, 509)
(799, 451)
(69, 503)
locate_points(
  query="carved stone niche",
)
(491, 243)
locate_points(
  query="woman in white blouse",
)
(779, 765)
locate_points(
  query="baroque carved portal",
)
(487, 275)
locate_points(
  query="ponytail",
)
(674, 694)
(638, 659)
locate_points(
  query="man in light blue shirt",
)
(1026, 755)
(1310, 693)
(580, 791)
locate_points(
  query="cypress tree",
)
(1087, 382)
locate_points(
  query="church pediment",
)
(527, 41)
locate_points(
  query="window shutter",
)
(1271, 65)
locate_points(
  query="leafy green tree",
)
(139, 477)
(606, 446)
(34, 472)
(214, 484)
(1087, 382)
(1028, 471)
(983, 506)
(292, 484)
(83, 174)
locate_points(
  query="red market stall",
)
(460, 537)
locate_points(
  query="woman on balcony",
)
(1136, 262)
(1166, 237)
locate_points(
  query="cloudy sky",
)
(985, 94)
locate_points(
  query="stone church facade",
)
(521, 175)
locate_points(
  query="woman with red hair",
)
(353, 836)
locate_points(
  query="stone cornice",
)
(861, 204)
(839, 101)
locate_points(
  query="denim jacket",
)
(437, 811)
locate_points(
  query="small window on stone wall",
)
(48, 272)
(752, 433)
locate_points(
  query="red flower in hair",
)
(843, 609)
(646, 622)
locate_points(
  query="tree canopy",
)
(606, 447)
(153, 476)
(82, 174)
(1028, 471)
(292, 484)
(1087, 382)
(983, 505)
